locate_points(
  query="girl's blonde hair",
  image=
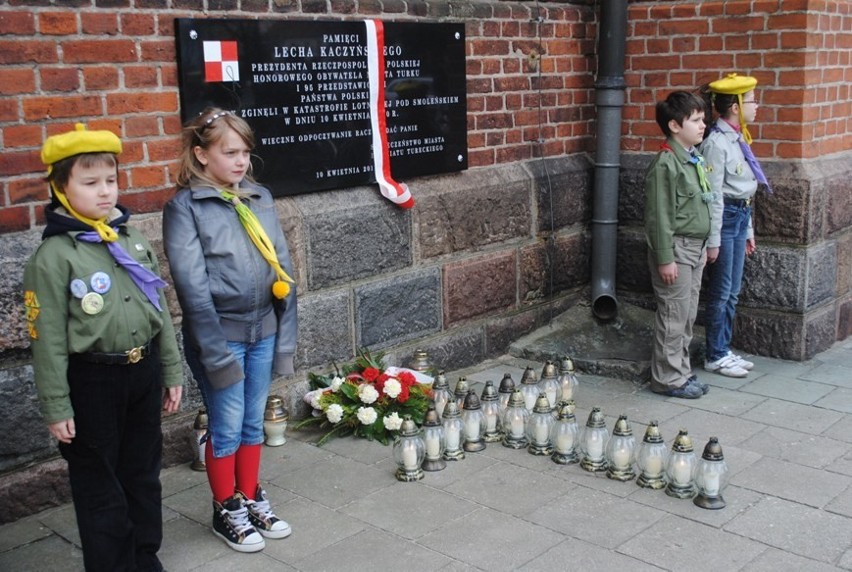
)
(205, 130)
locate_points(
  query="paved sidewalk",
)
(786, 431)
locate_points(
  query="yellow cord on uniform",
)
(106, 233)
(255, 231)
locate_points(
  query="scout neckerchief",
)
(145, 280)
(700, 167)
(258, 236)
(749, 156)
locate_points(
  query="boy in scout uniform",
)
(103, 345)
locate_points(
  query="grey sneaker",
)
(231, 524)
(686, 391)
(693, 379)
(726, 365)
(264, 520)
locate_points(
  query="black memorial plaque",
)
(303, 86)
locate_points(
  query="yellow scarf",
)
(106, 232)
(258, 236)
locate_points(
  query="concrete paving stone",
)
(409, 510)
(63, 522)
(455, 566)
(676, 543)
(577, 514)
(256, 562)
(462, 469)
(837, 355)
(841, 429)
(641, 409)
(774, 560)
(491, 540)
(724, 401)
(842, 504)
(702, 425)
(508, 488)
(575, 554)
(839, 400)
(188, 544)
(293, 455)
(361, 450)
(845, 561)
(738, 500)
(793, 482)
(598, 481)
(21, 532)
(51, 554)
(720, 381)
(369, 551)
(771, 366)
(179, 478)
(788, 389)
(796, 528)
(194, 503)
(795, 447)
(737, 458)
(315, 528)
(322, 482)
(831, 374)
(795, 416)
(843, 465)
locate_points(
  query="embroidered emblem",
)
(33, 309)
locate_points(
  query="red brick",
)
(168, 75)
(59, 79)
(789, 21)
(14, 219)
(489, 47)
(18, 162)
(147, 201)
(100, 77)
(142, 177)
(27, 51)
(163, 149)
(58, 23)
(795, 40)
(122, 103)
(158, 51)
(141, 126)
(684, 27)
(22, 136)
(138, 24)
(39, 108)
(99, 51)
(140, 76)
(100, 24)
(28, 190)
(15, 81)
(17, 23)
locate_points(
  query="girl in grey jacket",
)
(231, 269)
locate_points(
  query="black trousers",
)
(114, 462)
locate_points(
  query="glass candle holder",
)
(433, 441)
(474, 423)
(515, 422)
(507, 387)
(490, 401)
(592, 442)
(440, 393)
(549, 384)
(453, 433)
(651, 458)
(711, 477)
(680, 468)
(620, 451)
(408, 452)
(567, 379)
(539, 425)
(529, 388)
(565, 432)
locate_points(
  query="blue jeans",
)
(235, 413)
(725, 280)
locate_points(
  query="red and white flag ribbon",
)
(397, 193)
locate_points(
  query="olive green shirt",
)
(59, 325)
(673, 202)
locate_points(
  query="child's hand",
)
(171, 398)
(712, 254)
(668, 272)
(750, 246)
(64, 430)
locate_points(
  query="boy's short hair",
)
(679, 105)
(61, 171)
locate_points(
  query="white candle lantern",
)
(529, 388)
(453, 432)
(490, 401)
(549, 384)
(199, 432)
(538, 427)
(681, 467)
(440, 393)
(275, 418)
(507, 387)
(592, 441)
(652, 459)
(564, 433)
(433, 440)
(711, 477)
(515, 422)
(408, 452)
(460, 393)
(620, 451)
(474, 423)
(567, 379)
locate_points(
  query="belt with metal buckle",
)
(131, 356)
(742, 203)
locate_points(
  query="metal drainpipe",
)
(609, 99)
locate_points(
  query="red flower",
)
(370, 374)
(406, 379)
(404, 394)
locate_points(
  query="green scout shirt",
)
(673, 202)
(58, 325)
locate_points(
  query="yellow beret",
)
(733, 84)
(58, 147)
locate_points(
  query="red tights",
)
(235, 472)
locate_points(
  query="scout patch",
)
(32, 311)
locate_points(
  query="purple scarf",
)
(750, 159)
(145, 280)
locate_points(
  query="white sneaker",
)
(264, 520)
(727, 366)
(743, 363)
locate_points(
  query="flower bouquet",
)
(366, 399)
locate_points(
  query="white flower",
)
(336, 382)
(392, 422)
(367, 415)
(334, 413)
(367, 393)
(392, 387)
(315, 398)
